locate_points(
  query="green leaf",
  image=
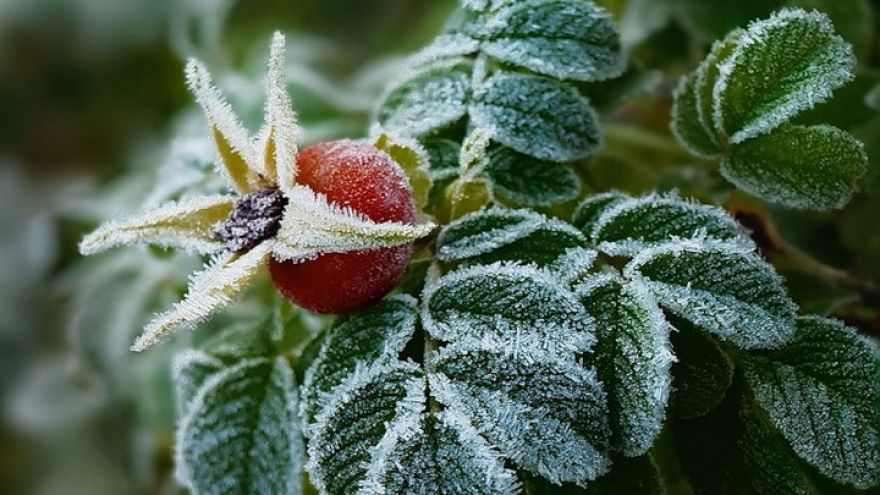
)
(563, 39)
(509, 303)
(241, 434)
(427, 98)
(499, 234)
(800, 167)
(440, 454)
(536, 116)
(631, 226)
(686, 122)
(701, 374)
(345, 437)
(542, 410)
(823, 393)
(632, 358)
(527, 181)
(628, 476)
(442, 154)
(242, 340)
(706, 78)
(190, 371)
(379, 333)
(588, 212)
(724, 289)
(782, 66)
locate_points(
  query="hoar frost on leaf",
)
(526, 181)
(589, 210)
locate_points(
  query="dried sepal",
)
(235, 151)
(281, 131)
(313, 226)
(187, 224)
(210, 290)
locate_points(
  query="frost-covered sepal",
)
(187, 224)
(823, 393)
(241, 432)
(281, 132)
(500, 234)
(632, 357)
(544, 411)
(312, 226)
(723, 288)
(520, 305)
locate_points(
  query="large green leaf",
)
(801, 167)
(823, 393)
(427, 98)
(781, 66)
(500, 234)
(541, 409)
(632, 358)
(241, 433)
(527, 181)
(686, 122)
(724, 289)
(563, 39)
(536, 116)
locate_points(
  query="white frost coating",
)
(189, 371)
(311, 226)
(490, 239)
(546, 414)
(823, 79)
(632, 225)
(187, 224)
(523, 305)
(210, 290)
(574, 264)
(724, 288)
(229, 133)
(705, 79)
(633, 357)
(445, 46)
(241, 425)
(282, 132)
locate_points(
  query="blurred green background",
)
(93, 107)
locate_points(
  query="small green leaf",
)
(702, 373)
(510, 303)
(427, 98)
(686, 122)
(191, 370)
(241, 434)
(629, 227)
(527, 181)
(537, 116)
(823, 393)
(379, 333)
(588, 212)
(781, 66)
(500, 234)
(724, 289)
(706, 77)
(563, 39)
(814, 168)
(542, 410)
(632, 358)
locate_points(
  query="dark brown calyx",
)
(255, 218)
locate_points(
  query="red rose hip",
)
(356, 175)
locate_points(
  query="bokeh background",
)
(95, 120)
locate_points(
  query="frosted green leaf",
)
(379, 333)
(702, 373)
(238, 341)
(686, 123)
(724, 289)
(632, 358)
(628, 476)
(563, 39)
(823, 393)
(191, 369)
(536, 116)
(527, 181)
(574, 265)
(814, 168)
(631, 226)
(242, 433)
(542, 410)
(500, 234)
(520, 305)
(442, 455)
(486, 5)
(592, 207)
(442, 154)
(344, 438)
(427, 98)
(445, 46)
(781, 66)
(706, 77)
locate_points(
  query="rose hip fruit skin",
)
(356, 175)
